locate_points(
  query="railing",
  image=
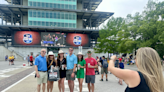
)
(21, 55)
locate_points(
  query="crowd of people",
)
(68, 67)
(148, 78)
(129, 61)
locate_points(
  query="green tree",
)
(152, 29)
(128, 35)
(107, 41)
(140, 30)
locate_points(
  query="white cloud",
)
(123, 7)
(120, 7)
(3, 2)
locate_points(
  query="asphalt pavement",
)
(21, 79)
(5, 64)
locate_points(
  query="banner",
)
(26, 38)
(50, 39)
(75, 39)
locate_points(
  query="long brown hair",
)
(48, 59)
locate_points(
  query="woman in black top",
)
(50, 62)
(61, 61)
(149, 77)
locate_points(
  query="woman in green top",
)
(80, 69)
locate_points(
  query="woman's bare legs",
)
(61, 85)
(80, 84)
(51, 86)
(48, 86)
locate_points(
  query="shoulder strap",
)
(60, 62)
(50, 64)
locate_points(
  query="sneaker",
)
(101, 80)
(106, 79)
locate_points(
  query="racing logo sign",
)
(27, 38)
(77, 40)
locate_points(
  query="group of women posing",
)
(61, 63)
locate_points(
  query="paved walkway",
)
(112, 84)
(7, 70)
(11, 74)
(22, 80)
(5, 64)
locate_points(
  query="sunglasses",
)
(44, 51)
(70, 50)
(89, 52)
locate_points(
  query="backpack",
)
(121, 65)
(105, 64)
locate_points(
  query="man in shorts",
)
(104, 69)
(10, 60)
(71, 66)
(31, 59)
(91, 64)
(41, 70)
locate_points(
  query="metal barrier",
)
(18, 53)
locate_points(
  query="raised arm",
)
(125, 74)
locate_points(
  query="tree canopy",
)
(145, 29)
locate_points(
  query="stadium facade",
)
(29, 25)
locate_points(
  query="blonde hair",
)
(149, 64)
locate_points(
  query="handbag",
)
(53, 74)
